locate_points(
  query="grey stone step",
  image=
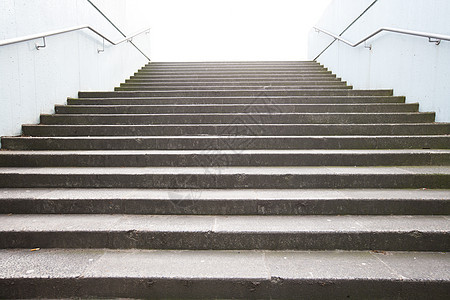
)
(240, 77)
(226, 202)
(226, 142)
(246, 68)
(226, 274)
(321, 130)
(236, 108)
(261, 83)
(253, 93)
(262, 99)
(233, 63)
(187, 232)
(236, 73)
(191, 158)
(434, 177)
(233, 118)
(145, 87)
(222, 78)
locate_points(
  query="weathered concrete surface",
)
(397, 233)
(193, 158)
(58, 273)
(226, 202)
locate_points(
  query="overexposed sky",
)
(202, 30)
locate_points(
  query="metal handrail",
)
(437, 37)
(69, 29)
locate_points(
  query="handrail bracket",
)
(433, 40)
(103, 48)
(40, 46)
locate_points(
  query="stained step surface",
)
(223, 274)
(226, 177)
(396, 233)
(177, 158)
(225, 142)
(226, 202)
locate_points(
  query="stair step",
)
(190, 158)
(236, 108)
(243, 77)
(434, 177)
(314, 79)
(226, 202)
(234, 67)
(241, 118)
(225, 142)
(214, 93)
(235, 82)
(234, 73)
(389, 233)
(305, 130)
(105, 273)
(145, 87)
(237, 100)
(233, 63)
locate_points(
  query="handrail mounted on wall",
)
(432, 37)
(69, 29)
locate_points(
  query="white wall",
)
(410, 65)
(32, 81)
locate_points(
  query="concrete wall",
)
(32, 81)
(410, 65)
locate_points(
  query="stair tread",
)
(226, 152)
(322, 170)
(230, 194)
(225, 264)
(225, 224)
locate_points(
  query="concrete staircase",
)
(228, 180)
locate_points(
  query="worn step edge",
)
(239, 100)
(65, 273)
(226, 202)
(237, 71)
(233, 79)
(306, 130)
(395, 233)
(434, 177)
(225, 142)
(260, 93)
(234, 82)
(144, 87)
(186, 158)
(172, 108)
(233, 118)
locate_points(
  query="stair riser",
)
(241, 77)
(199, 80)
(143, 87)
(192, 160)
(238, 129)
(238, 119)
(225, 181)
(235, 143)
(234, 68)
(242, 93)
(388, 241)
(222, 288)
(275, 108)
(234, 63)
(260, 83)
(201, 206)
(234, 72)
(238, 100)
